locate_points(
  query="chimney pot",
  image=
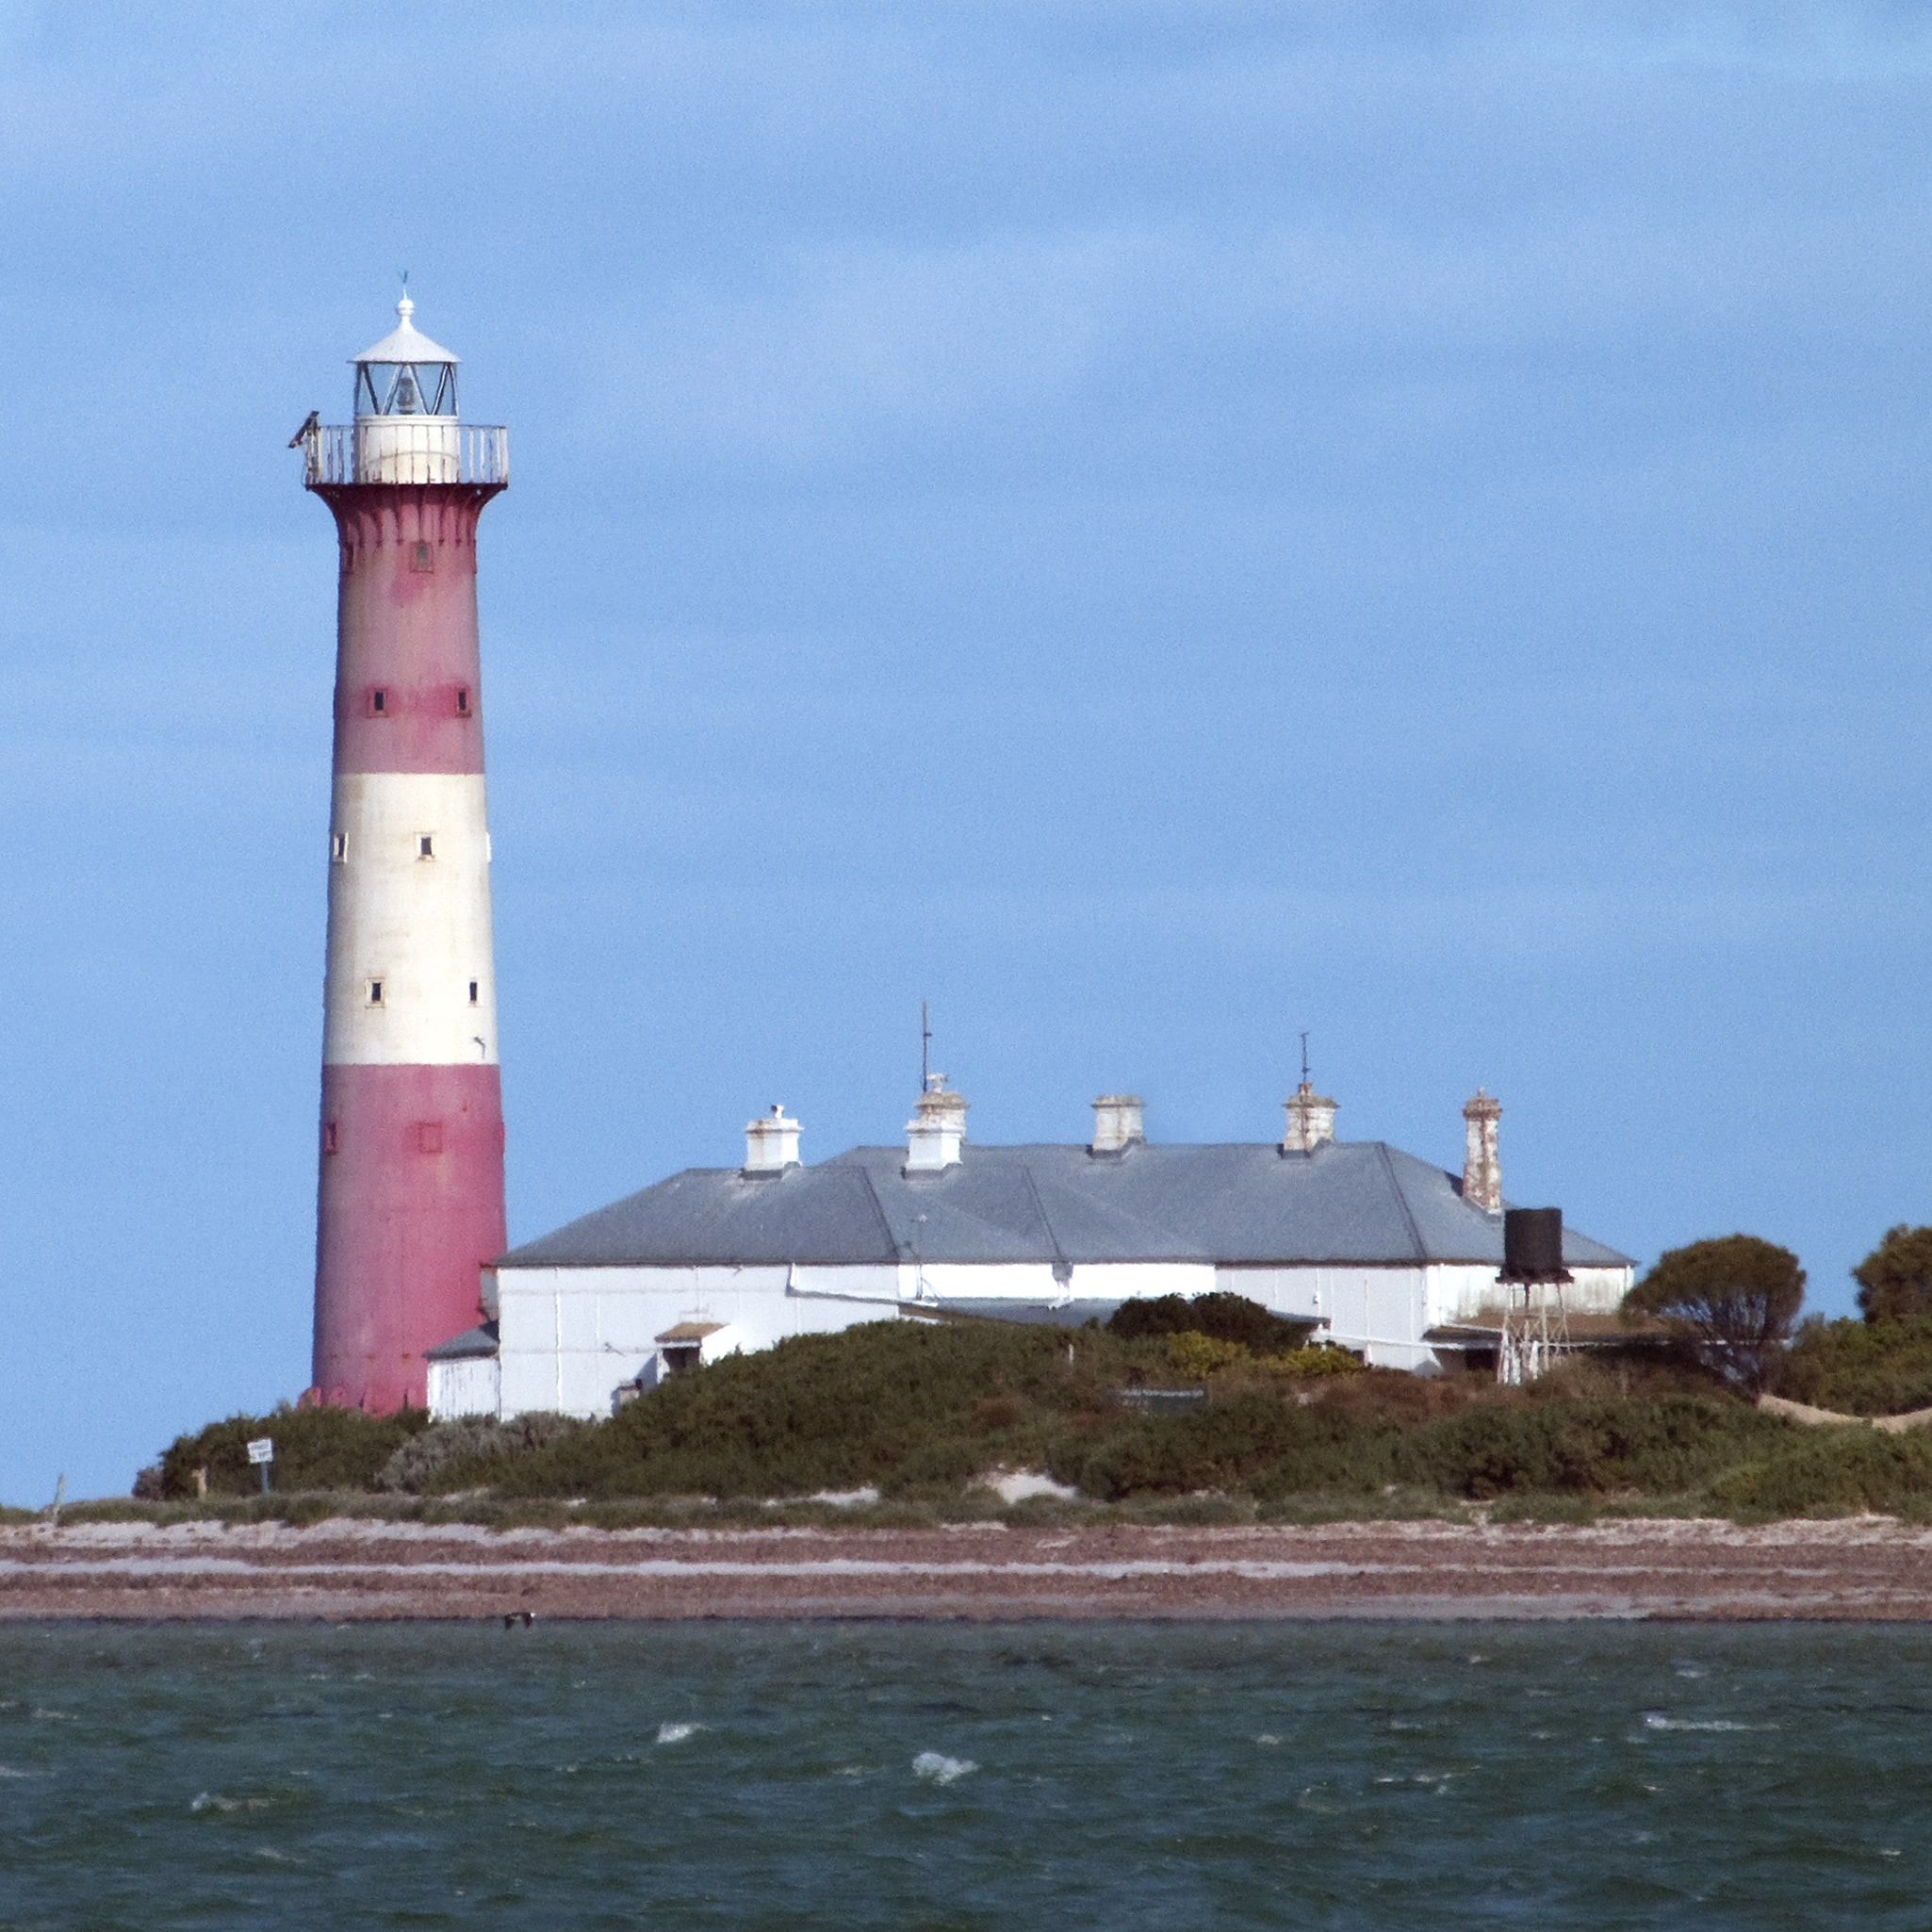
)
(937, 1131)
(1116, 1123)
(1311, 1121)
(771, 1143)
(1482, 1170)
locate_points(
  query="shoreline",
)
(1865, 1569)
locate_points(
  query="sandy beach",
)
(1855, 1568)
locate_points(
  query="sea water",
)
(912, 1776)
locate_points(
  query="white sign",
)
(262, 1450)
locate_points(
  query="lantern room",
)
(405, 407)
(405, 374)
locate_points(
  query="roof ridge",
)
(1403, 1202)
(1046, 1219)
(878, 1215)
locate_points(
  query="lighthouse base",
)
(409, 1208)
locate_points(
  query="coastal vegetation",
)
(1731, 1301)
(921, 1420)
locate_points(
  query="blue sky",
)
(1152, 526)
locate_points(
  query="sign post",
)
(261, 1452)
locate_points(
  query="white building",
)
(1381, 1252)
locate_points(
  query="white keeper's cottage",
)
(1383, 1253)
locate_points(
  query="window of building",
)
(378, 703)
(425, 845)
(375, 992)
(473, 984)
(429, 1137)
(463, 700)
(331, 1140)
(423, 559)
(338, 849)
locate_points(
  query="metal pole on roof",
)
(924, 1046)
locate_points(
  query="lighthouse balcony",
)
(406, 450)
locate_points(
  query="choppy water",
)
(907, 1776)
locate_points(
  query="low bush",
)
(909, 1408)
(1572, 1448)
(466, 1453)
(1296, 1363)
(921, 1411)
(1196, 1356)
(1860, 1367)
(315, 1449)
(1808, 1470)
(1220, 1317)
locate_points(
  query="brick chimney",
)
(771, 1144)
(1481, 1171)
(937, 1131)
(1311, 1121)
(1116, 1123)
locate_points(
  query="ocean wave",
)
(938, 1769)
(1655, 1720)
(677, 1733)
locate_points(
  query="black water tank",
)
(1533, 1244)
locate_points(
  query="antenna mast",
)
(1304, 1059)
(925, 1047)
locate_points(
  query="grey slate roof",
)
(1348, 1203)
(472, 1344)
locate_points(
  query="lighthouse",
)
(410, 1201)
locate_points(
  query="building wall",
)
(568, 1336)
(471, 1386)
(1462, 1292)
(571, 1336)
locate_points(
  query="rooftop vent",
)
(1311, 1121)
(937, 1131)
(771, 1144)
(1116, 1123)
(1481, 1171)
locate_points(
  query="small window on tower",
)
(338, 849)
(429, 1137)
(425, 845)
(378, 703)
(422, 559)
(472, 992)
(463, 700)
(331, 1141)
(375, 992)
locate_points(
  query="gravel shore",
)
(1865, 1567)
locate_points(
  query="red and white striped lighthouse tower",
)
(411, 1197)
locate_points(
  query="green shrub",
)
(1254, 1441)
(1196, 1356)
(1555, 1448)
(1223, 1317)
(1811, 1469)
(896, 1405)
(466, 1453)
(315, 1449)
(1297, 1363)
(1860, 1367)
(1895, 1279)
